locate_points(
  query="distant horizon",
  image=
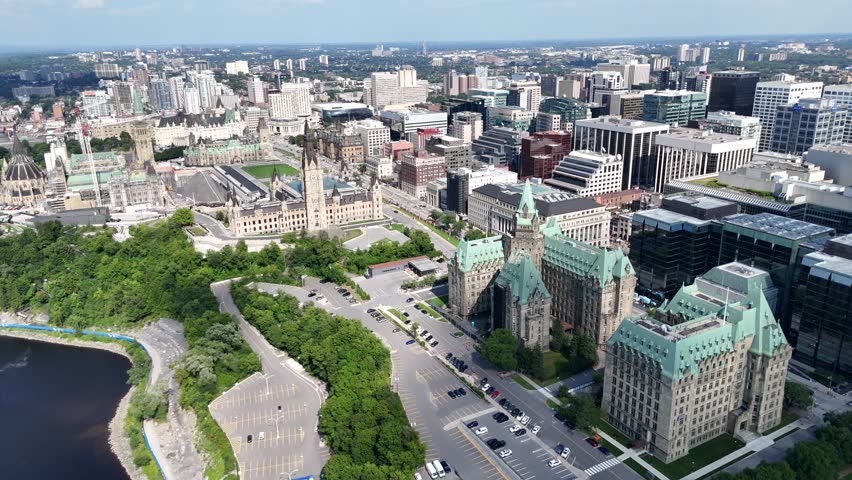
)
(366, 44)
(63, 24)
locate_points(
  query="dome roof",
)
(21, 166)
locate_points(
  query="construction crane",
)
(83, 135)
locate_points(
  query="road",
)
(283, 403)
(439, 242)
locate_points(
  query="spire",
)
(18, 147)
(308, 155)
(274, 176)
(261, 124)
(526, 207)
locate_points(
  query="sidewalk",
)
(753, 446)
(630, 453)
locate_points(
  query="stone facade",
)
(340, 147)
(721, 369)
(249, 148)
(316, 210)
(22, 183)
(175, 130)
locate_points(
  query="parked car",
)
(502, 402)
(603, 450)
(536, 429)
(462, 392)
(505, 453)
(525, 419)
(559, 417)
(409, 342)
(449, 355)
(565, 452)
(409, 300)
(593, 441)
(249, 439)
(495, 393)
(481, 431)
(553, 463)
(473, 424)
(434, 344)
(446, 466)
(395, 330)
(521, 432)
(514, 428)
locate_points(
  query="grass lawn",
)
(265, 171)
(351, 234)
(197, 231)
(429, 311)
(612, 432)
(553, 405)
(787, 417)
(700, 456)
(458, 334)
(438, 231)
(438, 301)
(522, 382)
(396, 313)
(633, 464)
(555, 368)
(396, 226)
(285, 152)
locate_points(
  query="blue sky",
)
(55, 23)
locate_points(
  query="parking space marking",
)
(463, 437)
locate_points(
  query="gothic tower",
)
(526, 234)
(312, 190)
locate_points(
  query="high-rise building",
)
(675, 107)
(603, 82)
(323, 59)
(303, 64)
(466, 125)
(525, 94)
(160, 95)
(514, 117)
(685, 153)
(97, 103)
(276, 65)
(122, 95)
(732, 124)
(769, 95)
(741, 54)
(374, 135)
(628, 105)
(705, 55)
(683, 53)
(546, 122)
(720, 369)
(395, 88)
(289, 65)
(416, 171)
(811, 121)
(405, 124)
(177, 91)
(634, 140)
(457, 154)
(458, 83)
(237, 67)
(588, 174)
(191, 99)
(500, 147)
(659, 62)
(206, 84)
(256, 91)
(461, 183)
(292, 101)
(842, 95)
(493, 97)
(541, 152)
(107, 70)
(633, 72)
(569, 109)
(733, 91)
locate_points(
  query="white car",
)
(261, 436)
(520, 415)
(553, 463)
(417, 476)
(565, 452)
(481, 431)
(486, 387)
(525, 420)
(505, 453)
(536, 429)
(514, 428)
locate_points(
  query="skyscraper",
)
(705, 55)
(733, 91)
(160, 95)
(675, 107)
(741, 54)
(769, 95)
(842, 95)
(395, 88)
(177, 91)
(525, 94)
(256, 91)
(683, 53)
(192, 99)
(811, 121)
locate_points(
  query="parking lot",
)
(275, 415)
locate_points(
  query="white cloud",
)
(87, 4)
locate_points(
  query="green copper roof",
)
(526, 207)
(84, 181)
(79, 158)
(522, 278)
(585, 260)
(679, 349)
(472, 252)
(551, 228)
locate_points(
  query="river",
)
(55, 405)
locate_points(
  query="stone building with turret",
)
(251, 147)
(534, 279)
(22, 183)
(313, 203)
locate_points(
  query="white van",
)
(439, 468)
(432, 472)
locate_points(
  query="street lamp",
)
(266, 377)
(289, 474)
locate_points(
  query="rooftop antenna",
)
(727, 293)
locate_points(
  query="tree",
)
(583, 349)
(435, 215)
(5, 154)
(182, 217)
(557, 335)
(474, 234)
(797, 395)
(581, 411)
(814, 460)
(500, 348)
(457, 228)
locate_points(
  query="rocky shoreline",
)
(118, 441)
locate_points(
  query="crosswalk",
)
(602, 466)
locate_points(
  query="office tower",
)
(206, 84)
(97, 103)
(289, 65)
(720, 370)
(675, 107)
(683, 53)
(493, 97)
(293, 100)
(705, 55)
(741, 54)
(733, 91)
(237, 67)
(466, 125)
(732, 124)
(256, 91)
(323, 59)
(374, 135)
(541, 152)
(423, 50)
(191, 99)
(659, 62)
(456, 153)
(525, 94)
(549, 83)
(587, 173)
(670, 78)
(770, 95)
(455, 83)
(499, 146)
(303, 64)
(122, 95)
(634, 140)
(842, 95)
(395, 88)
(107, 70)
(461, 183)
(631, 71)
(569, 109)
(607, 82)
(415, 171)
(545, 122)
(686, 153)
(514, 117)
(177, 91)
(628, 105)
(811, 121)
(699, 82)
(160, 93)
(201, 65)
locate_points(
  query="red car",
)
(495, 393)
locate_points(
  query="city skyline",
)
(97, 22)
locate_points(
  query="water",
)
(55, 406)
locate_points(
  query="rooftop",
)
(667, 217)
(548, 201)
(778, 226)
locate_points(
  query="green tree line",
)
(363, 420)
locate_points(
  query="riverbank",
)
(119, 441)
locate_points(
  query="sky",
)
(71, 23)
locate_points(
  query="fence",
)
(96, 334)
